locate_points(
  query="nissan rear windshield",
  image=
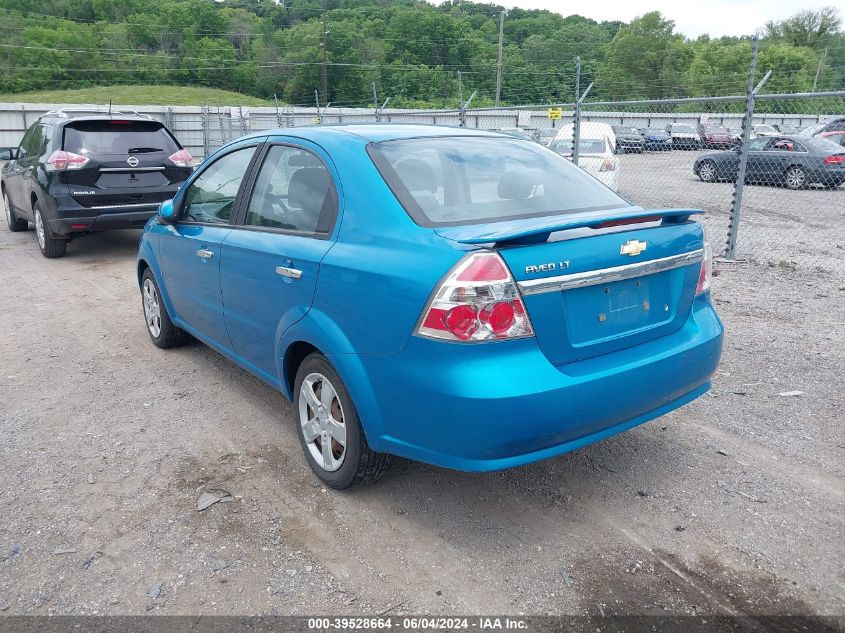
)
(118, 137)
(448, 181)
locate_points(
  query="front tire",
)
(14, 223)
(329, 429)
(47, 244)
(159, 326)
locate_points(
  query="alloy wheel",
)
(152, 308)
(39, 230)
(795, 178)
(707, 171)
(322, 422)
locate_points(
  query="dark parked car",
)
(76, 173)
(656, 139)
(779, 160)
(715, 136)
(683, 136)
(628, 139)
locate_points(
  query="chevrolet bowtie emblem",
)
(632, 248)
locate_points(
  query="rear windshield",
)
(683, 129)
(470, 180)
(626, 130)
(716, 130)
(654, 130)
(118, 137)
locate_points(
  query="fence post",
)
(576, 118)
(739, 184)
(205, 125)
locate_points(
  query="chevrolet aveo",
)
(452, 296)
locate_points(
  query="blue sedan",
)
(452, 296)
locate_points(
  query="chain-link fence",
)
(767, 169)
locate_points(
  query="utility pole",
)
(499, 63)
(325, 62)
(460, 90)
(819, 68)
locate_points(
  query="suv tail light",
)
(706, 271)
(607, 165)
(182, 158)
(477, 301)
(837, 159)
(61, 160)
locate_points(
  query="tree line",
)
(416, 53)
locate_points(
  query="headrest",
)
(516, 185)
(417, 175)
(308, 188)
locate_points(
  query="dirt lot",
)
(733, 504)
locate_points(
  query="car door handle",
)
(204, 254)
(284, 271)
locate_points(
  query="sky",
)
(692, 17)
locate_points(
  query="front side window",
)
(211, 197)
(293, 192)
(469, 180)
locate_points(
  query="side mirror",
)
(8, 153)
(167, 212)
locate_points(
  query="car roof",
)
(378, 132)
(73, 118)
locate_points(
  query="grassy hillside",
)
(137, 95)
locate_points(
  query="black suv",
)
(78, 172)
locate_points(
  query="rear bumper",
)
(499, 405)
(110, 219)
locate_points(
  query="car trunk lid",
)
(592, 286)
(128, 162)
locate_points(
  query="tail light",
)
(65, 161)
(182, 158)
(477, 301)
(607, 165)
(838, 159)
(706, 271)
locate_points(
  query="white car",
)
(596, 153)
(763, 129)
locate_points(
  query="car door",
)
(16, 185)
(190, 249)
(272, 256)
(775, 159)
(757, 164)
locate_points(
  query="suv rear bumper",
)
(108, 219)
(66, 216)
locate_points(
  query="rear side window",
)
(118, 137)
(293, 192)
(470, 180)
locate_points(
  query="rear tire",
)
(47, 244)
(795, 178)
(159, 326)
(707, 171)
(14, 223)
(326, 413)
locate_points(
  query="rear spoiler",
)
(535, 230)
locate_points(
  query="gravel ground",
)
(733, 504)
